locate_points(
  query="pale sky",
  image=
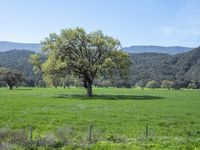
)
(133, 22)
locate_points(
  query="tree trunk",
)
(10, 84)
(87, 83)
(89, 90)
(11, 87)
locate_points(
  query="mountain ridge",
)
(157, 49)
(172, 50)
(7, 45)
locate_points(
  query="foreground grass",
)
(173, 117)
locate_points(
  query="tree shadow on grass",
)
(108, 97)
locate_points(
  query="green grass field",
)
(121, 115)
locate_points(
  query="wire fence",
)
(63, 137)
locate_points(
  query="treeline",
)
(152, 70)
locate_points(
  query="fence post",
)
(90, 134)
(153, 134)
(31, 135)
(147, 132)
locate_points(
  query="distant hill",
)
(6, 46)
(157, 49)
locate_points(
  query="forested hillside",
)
(151, 66)
(181, 68)
(19, 59)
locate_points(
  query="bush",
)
(152, 84)
(167, 84)
(192, 86)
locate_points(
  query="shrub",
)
(167, 84)
(152, 84)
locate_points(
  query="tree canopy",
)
(85, 55)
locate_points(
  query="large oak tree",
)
(83, 54)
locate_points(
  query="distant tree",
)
(2, 84)
(97, 82)
(176, 85)
(66, 81)
(195, 83)
(196, 77)
(141, 84)
(52, 80)
(83, 54)
(41, 83)
(152, 84)
(105, 83)
(167, 84)
(30, 83)
(192, 86)
(11, 77)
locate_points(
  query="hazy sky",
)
(133, 22)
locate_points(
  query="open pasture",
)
(121, 115)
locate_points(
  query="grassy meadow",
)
(118, 116)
